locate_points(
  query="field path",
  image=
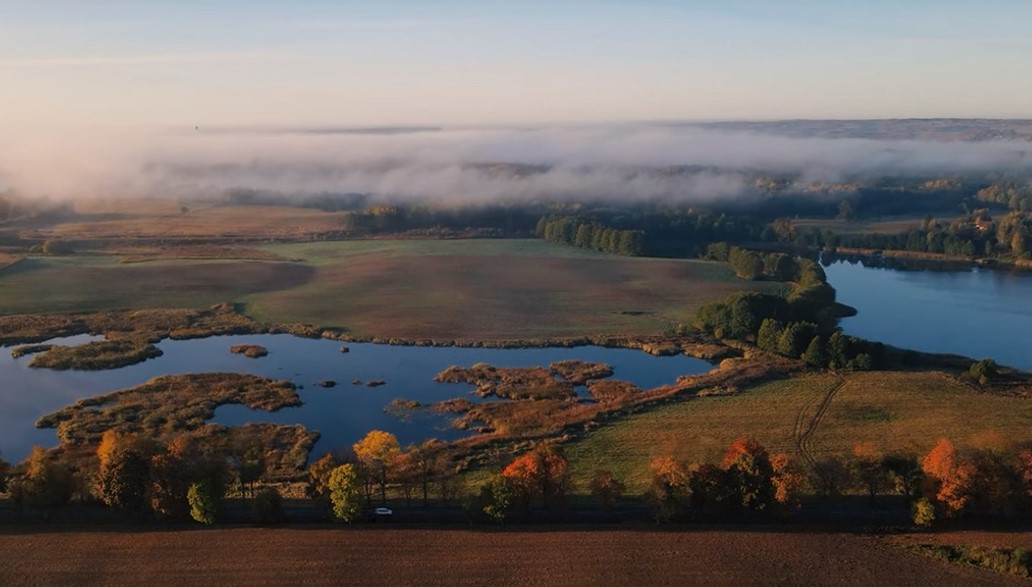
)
(368, 556)
(806, 426)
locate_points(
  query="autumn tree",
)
(749, 471)
(168, 484)
(521, 475)
(124, 471)
(426, 461)
(786, 478)
(949, 477)
(922, 512)
(542, 472)
(345, 493)
(406, 475)
(606, 489)
(377, 451)
(668, 490)
(45, 484)
(319, 475)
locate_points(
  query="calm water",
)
(978, 312)
(342, 414)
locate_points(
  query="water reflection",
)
(973, 311)
(342, 413)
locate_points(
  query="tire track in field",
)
(805, 428)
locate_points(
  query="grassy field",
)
(81, 283)
(164, 219)
(887, 226)
(490, 289)
(445, 289)
(898, 411)
(412, 556)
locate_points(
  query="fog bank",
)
(473, 165)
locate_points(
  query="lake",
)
(974, 312)
(341, 414)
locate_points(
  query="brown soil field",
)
(994, 538)
(388, 556)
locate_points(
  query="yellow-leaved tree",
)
(377, 451)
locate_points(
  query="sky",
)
(310, 63)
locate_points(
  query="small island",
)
(249, 350)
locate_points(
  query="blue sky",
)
(457, 63)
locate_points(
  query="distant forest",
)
(988, 217)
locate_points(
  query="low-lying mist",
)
(679, 163)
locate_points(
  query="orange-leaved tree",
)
(786, 477)
(542, 471)
(949, 477)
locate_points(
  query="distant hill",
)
(927, 129)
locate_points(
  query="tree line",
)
(944, 483)
(181, 480)
(569, 230)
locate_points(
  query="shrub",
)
(984, 370)
(203, 502)
(922, 513)
(268, 506)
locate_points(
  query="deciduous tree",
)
(45, 484)
(668, 491)
(124, 471)
(377, 451)
(268, 506)
(345, 493)
(606, 489)
(749, 470)
(542, 472)
(319, 475)
(949, 477)
(426, 459)
(868, 469)
(497, 496)
(786, 478)
(203, 498)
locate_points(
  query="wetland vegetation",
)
(765, 316)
